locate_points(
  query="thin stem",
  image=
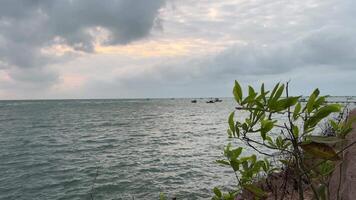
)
(244, 138)
(284, 185)
(262, 110)
(261, 152)
(296, 151)
(339, 185)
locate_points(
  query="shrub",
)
(287, 127)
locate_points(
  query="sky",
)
(68, 49)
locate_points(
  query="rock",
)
(347, 186)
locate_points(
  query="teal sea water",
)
(138, 148)
(112, 149)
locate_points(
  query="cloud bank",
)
(112, 49)
(29, 27)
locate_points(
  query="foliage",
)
(162, 196)
(293, 140)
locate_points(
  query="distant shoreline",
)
(148, 98)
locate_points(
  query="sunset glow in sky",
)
(174, 48)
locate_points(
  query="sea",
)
(114, 148)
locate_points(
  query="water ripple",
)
(53, 149)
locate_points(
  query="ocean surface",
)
(112, 149)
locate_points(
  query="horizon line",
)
(139, 98)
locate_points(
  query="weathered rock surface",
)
(347, 186)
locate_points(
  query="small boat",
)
(217, 100)
(302, 100)
(210, 101)
(193, 101)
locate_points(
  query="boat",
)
(210, 101)
(193, 101)
(302, 100)
(217, 100)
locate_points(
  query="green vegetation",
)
(293, 144)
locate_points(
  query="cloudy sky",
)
(174, 48)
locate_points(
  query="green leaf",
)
(344, 132)
(279, 92)
(217, 192)
(291, 101)
(284, 103)
(229, 133)
(237, 91)
(320, 115)
(227, 151)
(224, 162)
(257, 166)
(258, 192)
(228, 196)
(311, 100)
(231, 122)
(237, 130)
(310, 103)
(296, 111)
(326, 168)
(235, 165)
(251, 91)
(295, 131)
(253, 158)
(232, 154)
(326, 139)
(347, 126)
(236, 153)
(162, 196)
(273, 92)
(320, 150)
(275, 95)
(270, 141)
(266, 126)
(266, 165)
(249, 99)
(320, 101)
(327, 110)
(334, 125)
(263, 135)
(258, 98)
(279, 142)
(316, 92)
(263, 94)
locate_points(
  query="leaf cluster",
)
(286, 126)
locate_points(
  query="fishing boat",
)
(210, 101)
(217, 100)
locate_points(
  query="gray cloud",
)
(311, 42)
(27, 26)
(315, 55)
(333, 46)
